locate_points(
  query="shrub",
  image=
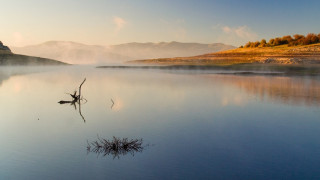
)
(263, 43)
(296, 40)
(312, 38)
(286, 39)
(247, 45)
(277, 41)
(271, 42)
(256, 44)
(298, 37)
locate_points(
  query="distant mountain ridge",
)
(167, 49)
(78, 53)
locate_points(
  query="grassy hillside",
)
(22, 60)
(7, 58)
(283, 54)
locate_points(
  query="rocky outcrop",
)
(3, 47)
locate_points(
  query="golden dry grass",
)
(280, 54)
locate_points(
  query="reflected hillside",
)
(7, 72)
(287, 90)
(3, 77)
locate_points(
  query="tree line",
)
(296, 40)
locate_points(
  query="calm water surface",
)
(194, 125)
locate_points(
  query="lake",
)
(193, 124)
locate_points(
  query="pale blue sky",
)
(107, 22)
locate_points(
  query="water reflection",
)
(73, 103)
(116, 147)
(112, 104)
(3, 77)
(196, 138)
(7, 72)
(287, 90)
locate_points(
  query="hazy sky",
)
(107, 22)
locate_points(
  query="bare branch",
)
(76, 99)
(79, 96)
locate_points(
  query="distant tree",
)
(286, 39)
(241, 47)
(298, 36)
(271, 42)
(263, 45)
(252, 44)
(263, 41)
(308, 39)
(296, 40)
(277, 41)
(247, 45)
(312, 38)
(256, 44)
(293, 43)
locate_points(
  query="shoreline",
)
(237, 69)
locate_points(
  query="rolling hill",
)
(77, 53)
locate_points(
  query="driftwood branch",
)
(76, 99)
(79, 96)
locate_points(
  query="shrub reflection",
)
(115, 147)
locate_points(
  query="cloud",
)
(243, 32)
(226, 29)
(119, 22)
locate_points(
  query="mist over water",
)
(193, 125)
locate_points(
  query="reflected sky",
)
(202, 126)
